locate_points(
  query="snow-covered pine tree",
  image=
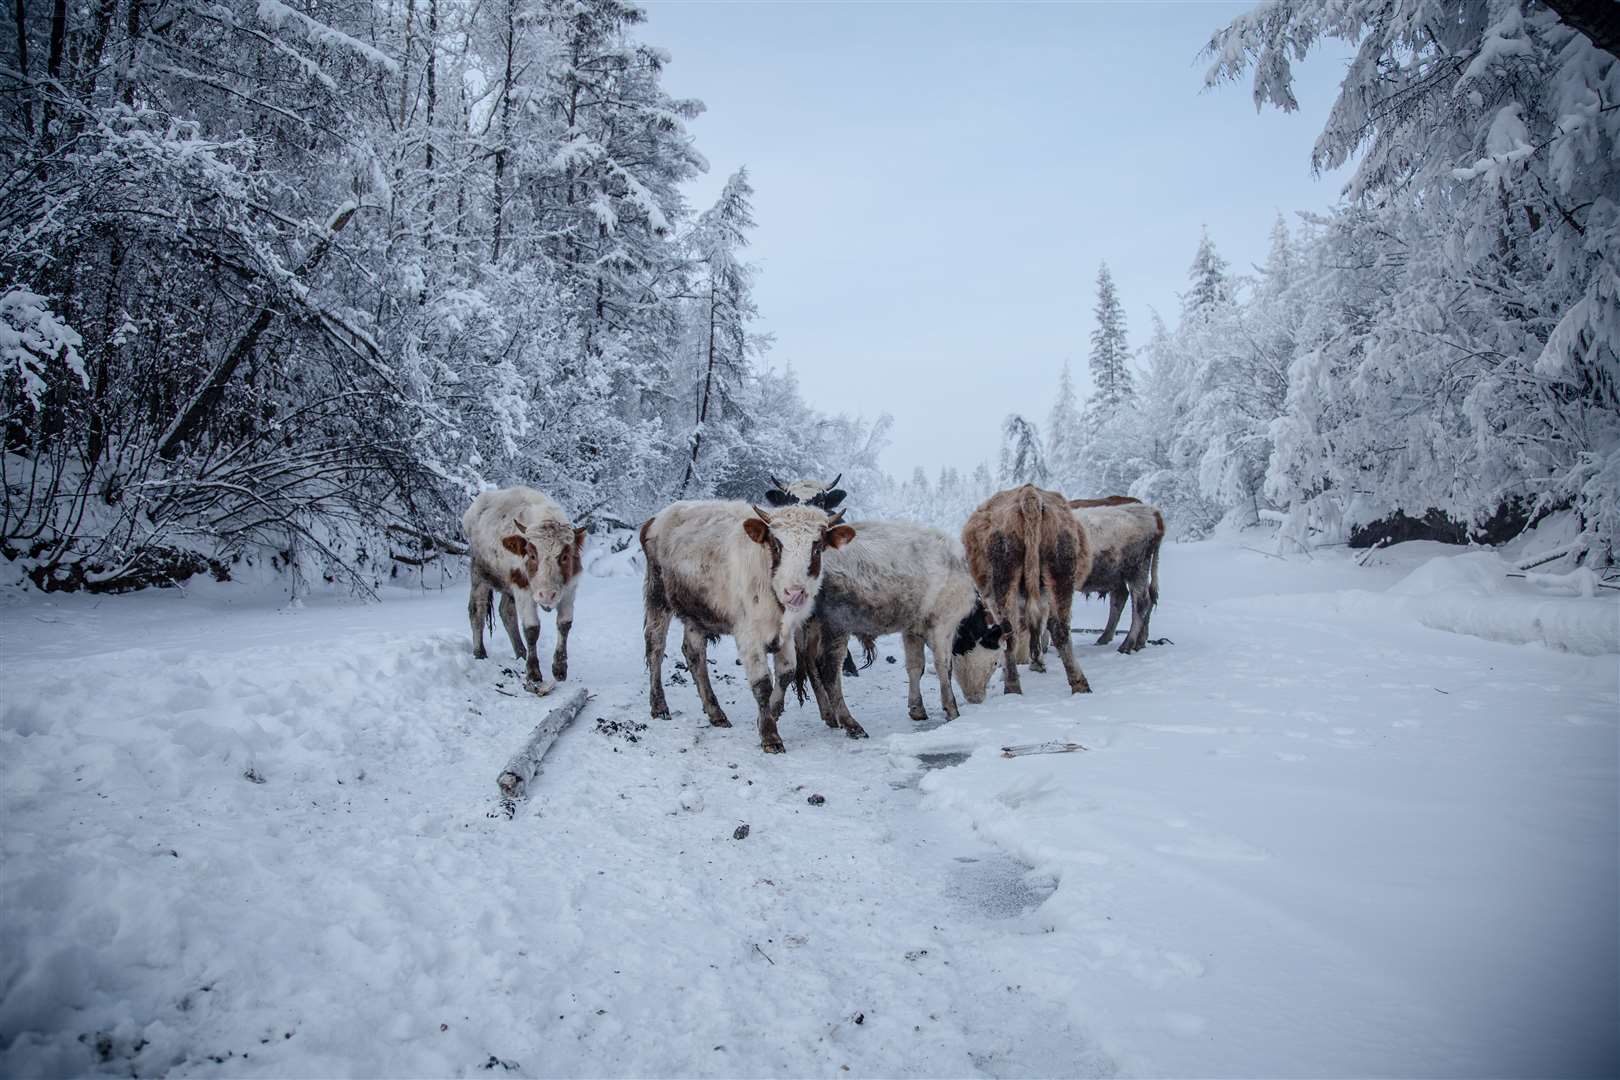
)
(724, 309)
(1211, 284)
(1022, 459)
(1110, 355)
(1065, 436)
(1482, 372)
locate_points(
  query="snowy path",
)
(1313, 837)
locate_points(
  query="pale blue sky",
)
(936, 184)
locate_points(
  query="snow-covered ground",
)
(1333, 829)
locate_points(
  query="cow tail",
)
(869, 650)
(1030, 505)
(1158, 541)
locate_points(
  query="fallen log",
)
(1053, 747)
(525, 764)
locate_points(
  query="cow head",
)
(807, 493)
(551, 558)
(796, 536)
(975, 652)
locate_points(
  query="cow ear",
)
(839, 535)
(779, 498)
(515, 544)
(579, 539)
(756, 529)
(831, 499)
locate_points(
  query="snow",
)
(1315, 836)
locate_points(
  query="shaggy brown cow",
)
(1124, 539)
(1027, 553)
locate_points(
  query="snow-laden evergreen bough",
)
(1461, 341)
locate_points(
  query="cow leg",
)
(565, 623)
(1140, 607)
(655, 631)
(528, 617)
(1009, 665)
(1037, 635)
(509, 620)
(695, 648)
(758, 670)
(786, 662)
(478, 613)
(834, 683)
(1116, 604)
(820, 660)
(1065, 646)
(914, 669)
(941, 642)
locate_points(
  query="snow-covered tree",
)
(1479, 367)
(1110, 356)
(1065, 435)
(1023, 461)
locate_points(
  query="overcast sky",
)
(936, 184)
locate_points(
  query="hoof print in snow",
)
(493, 1061)
(741, 832)
(628, 729)
(816, 800)
(916, 954)
(253, 775)
(1160, 641)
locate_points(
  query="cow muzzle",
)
(795, 598)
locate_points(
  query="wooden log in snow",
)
(514, 779)
(1053, 747)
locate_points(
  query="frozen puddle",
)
(997, 885)
(944, 760)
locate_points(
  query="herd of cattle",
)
(795, 583)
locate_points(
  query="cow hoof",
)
(1037, 664)
(1013, 688)
(772, 746)
(660, 711)
(918, 713)
(559, 671)
(719, 721)
(855, 731)
(480, 654)
(1105, 639)
(1081, 687)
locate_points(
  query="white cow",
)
(731, 568)
(523, 545)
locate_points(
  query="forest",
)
(290, 283)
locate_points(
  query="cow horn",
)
(779, 485)
(836, 519)
(763, 516)
(835, 480)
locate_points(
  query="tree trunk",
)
(703, 406)
(1599, 20)
(207, 396)
(21, 15)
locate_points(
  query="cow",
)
(1124, 539)
(1106, 500)
(523, 545)
(900, 579)
(828, 497)
(1026, 554)
(808, 492)
(732, 568)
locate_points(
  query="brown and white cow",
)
(900, 579)
(1124, 538)
(1027, 553)
(731, 568)
(523, 545)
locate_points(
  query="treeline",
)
(297, 279)
(1445, 345)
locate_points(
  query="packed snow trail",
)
(1312, 837)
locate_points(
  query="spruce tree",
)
(1110, 371)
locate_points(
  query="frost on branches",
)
(289, 282)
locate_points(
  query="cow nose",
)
(795, 596)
